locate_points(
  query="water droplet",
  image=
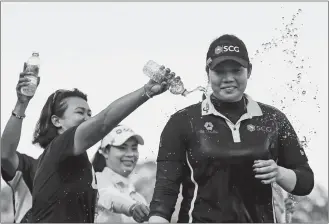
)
(304, 92)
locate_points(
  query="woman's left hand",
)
(266, 170)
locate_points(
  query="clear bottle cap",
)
(36, 54)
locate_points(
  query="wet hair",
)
(45, 131)
(99, 162)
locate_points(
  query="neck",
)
(232, 110)
(121, 172)
(213, 96)
(223, 104)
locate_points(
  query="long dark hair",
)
(45, 131)
(99, 162)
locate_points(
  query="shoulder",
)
(26, 157)
(62, 145)
(103, 180)
(63, 139)
(189, 111)
(269, 110)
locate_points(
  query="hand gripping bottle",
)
(31, 70)
(153, 71)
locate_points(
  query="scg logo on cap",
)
(221, 49)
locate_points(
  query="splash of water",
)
(295, 91)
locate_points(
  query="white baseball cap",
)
(120, 135)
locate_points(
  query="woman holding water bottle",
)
(228, 150)
(64, 187)
(18, 169)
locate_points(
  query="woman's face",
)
(229, 81)
(122, 159)
(77, 111)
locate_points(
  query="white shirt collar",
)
(117, 179)
(253, 108)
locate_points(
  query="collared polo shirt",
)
(116, 195)
(212, 158)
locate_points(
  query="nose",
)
(131, 152)
(86, 117)
(228, 77)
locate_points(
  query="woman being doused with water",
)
(113, 163)
(228, 150)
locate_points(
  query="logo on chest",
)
(209, 128)
(252, 128)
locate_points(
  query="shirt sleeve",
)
(112, 199)
(292, 156)
(170, 166)
(21, 185)
(63, 145)
(26, 167)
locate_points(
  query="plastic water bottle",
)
(153, 71)
(32, 71)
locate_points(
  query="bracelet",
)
(18, 116)
(145, 93)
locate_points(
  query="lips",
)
(128, 162)
(229, 88)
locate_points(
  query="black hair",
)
(99, 162)
(45, 131)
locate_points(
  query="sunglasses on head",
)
(57, 93)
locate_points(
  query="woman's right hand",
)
(140, 212)
(23, 81)
(153, 88)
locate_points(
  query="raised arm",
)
(11, 135)
(94, 129)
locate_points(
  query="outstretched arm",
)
(94, 129)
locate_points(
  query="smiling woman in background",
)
(113, 163)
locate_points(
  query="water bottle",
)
(32, 71)
(153, 71)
